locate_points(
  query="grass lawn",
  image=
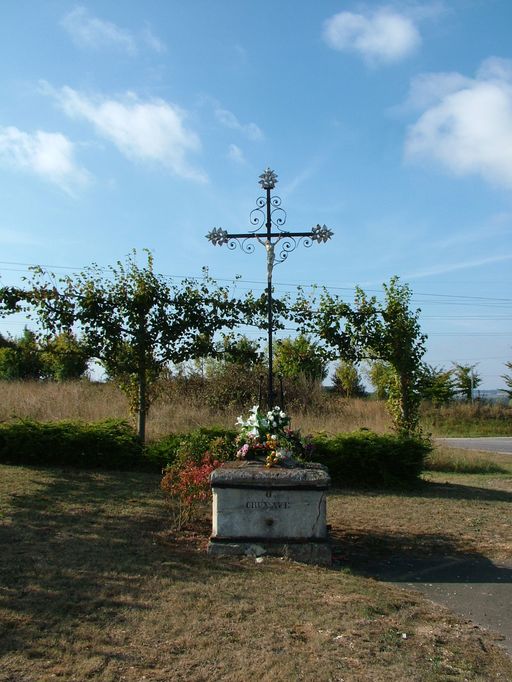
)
(93, 586)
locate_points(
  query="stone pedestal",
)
(277, 511)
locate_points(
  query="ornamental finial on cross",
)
(268, 179)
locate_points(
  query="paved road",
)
(471, 586)
(503, 444)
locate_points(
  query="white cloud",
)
(466, 124)
(90, 32)
(236, 154)
(428, 88)
(48, 155)
(228, 119)
(150, 131)
(382, 35)
(153, 42)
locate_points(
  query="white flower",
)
(282, 415)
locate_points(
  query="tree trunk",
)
(141, 420)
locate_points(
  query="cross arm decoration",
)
(269, 215)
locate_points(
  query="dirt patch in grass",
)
(94, 586)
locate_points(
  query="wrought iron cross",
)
(269, 214)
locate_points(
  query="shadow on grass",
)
(414, 558)
(80, 550)
(421, 557)
(463, 492)
(431, 489)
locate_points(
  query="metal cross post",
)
(268, 214)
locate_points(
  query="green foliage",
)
(12, 300)
(110, 444)
(21, 358)
(5, 342)
(392, 333)
(346, 380)
(232, 385)
(381, 376)
(64, 357)
(508, 380)
(233, 377)
(59, 358)
(358, 459)
(135, 321)
(465, 380)
(370, 330)
(366, 459)
(193, 446)
(241, 351)
(300, 356)
(437, 385)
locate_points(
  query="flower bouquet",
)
(267, 437)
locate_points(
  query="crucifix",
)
(268, 219)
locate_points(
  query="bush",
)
(192, 446)
(110, 444)
(366, 459)
(186, 485)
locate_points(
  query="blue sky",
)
(131, 125)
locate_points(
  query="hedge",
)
(109, 444)
(368, 459)
(358, 459)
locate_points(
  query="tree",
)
(437, 385)
(240, 351)
(381, 376)
(5, 342)
(371, 330)
(21, 358)
(64, 357)
(59, 358)
(508, 380)
(466, 380)
(134, 321)
(300, 357)
(392, 332)
(346, 380)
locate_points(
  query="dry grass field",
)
(88, 401)
(94, 586)
(47, 401)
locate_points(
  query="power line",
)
(236, 282)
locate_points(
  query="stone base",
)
(279, 511)
(318, 553)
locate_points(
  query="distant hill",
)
(493, 396)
